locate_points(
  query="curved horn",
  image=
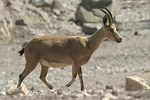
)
(104, 19)
(109, 13)
(108, 16)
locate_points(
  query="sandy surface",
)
(108, 65)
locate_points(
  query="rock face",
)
(17, 17)
(21, 20)
(6, 22)
(134, 83)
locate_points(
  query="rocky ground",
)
(109, 65)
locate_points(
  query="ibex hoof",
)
(67, 85)
(82, 89)
(51, 87)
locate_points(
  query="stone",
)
(57, 5)
(134, 83)
(90, 28)
(88, 10)
(89, 4)
(20, 22)
(24, 45)
(110, 87)
(86, 94)
(13, 90)
(40, 3)
(2, 93)
(136, 33)
(56, 12)
(85, 16)
(109, 96)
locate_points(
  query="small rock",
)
(134, 83)
(56, 12)
(109, 96)
(146, 71)
(60, 92)
(137, 33)
(2, 93)
(32, 88)
(100, 91)
(111, 87)
(45, 4)
(13, 90)
(20, 22)
(86, 94)
(8, 3)
(98, 68)
(40, 3)
(125, 70)
(53, 91)
(100, 82)
(24, 44)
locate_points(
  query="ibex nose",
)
(120, 38)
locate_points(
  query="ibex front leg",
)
(79, 72)
(44, 70)
(74, 75)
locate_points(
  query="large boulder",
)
(88, 10)
(90, 28)
(90, 4)
(134, 83)
(57, 5)
(85, 16)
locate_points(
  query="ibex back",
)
(61, 51)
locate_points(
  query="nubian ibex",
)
(60, 51)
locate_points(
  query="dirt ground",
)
(109, 65)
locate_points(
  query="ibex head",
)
(110, 28)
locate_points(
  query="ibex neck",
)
(96, 39)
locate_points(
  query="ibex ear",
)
(104, 20)
(114, 19)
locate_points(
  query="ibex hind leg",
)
(29, 67)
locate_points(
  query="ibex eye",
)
(111, 30)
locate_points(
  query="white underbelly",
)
(54, 64)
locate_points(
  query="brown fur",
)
(61, 51)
